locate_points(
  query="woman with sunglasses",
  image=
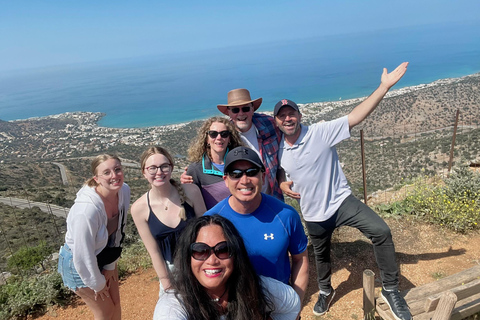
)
(216, 136)
(214, 279)
(87, 261)
(161, 214)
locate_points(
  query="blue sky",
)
(46, 33)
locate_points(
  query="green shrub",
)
(28, 257)
(134, 257)
(453, 204)
(19, 298)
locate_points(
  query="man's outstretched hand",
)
(390, 79)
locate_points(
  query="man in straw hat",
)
(310, 160)
(258, 131)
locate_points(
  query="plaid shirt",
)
(269, 137)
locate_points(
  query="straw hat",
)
(239, 97)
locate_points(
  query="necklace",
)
(218, 299)
(165, 205)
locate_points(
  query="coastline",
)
(306, 108)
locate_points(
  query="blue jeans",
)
(66, 268)
(354, 213)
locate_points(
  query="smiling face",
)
(109, 175)
(242, 120)
(219, 144)
(159, 177)
(288, 121)
(213, 273)
(244, 189)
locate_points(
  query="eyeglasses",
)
(213, 134)
(108, 173)
(237, 109)
(237, 173)
(164, 168)
(201, 251)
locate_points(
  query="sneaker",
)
(397, 304)
(323, 303)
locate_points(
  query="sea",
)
(177, 88)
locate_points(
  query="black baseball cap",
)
(283, 103)
(243, 153)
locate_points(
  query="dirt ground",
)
(424, 253)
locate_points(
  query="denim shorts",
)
(71, 278)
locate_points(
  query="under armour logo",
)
(284, 102)
(268, 236)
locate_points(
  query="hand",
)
(103, 294)
(286, 187)
(390, 79)
(110, 275)
(185, 178)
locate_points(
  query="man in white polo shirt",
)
(308, 156)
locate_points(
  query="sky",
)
(35, 34)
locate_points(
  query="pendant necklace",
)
(218, 299)
(165, 205)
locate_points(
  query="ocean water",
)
(160, 90)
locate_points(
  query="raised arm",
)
(388, 80)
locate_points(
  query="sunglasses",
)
(213, 134)
(201, 251)
(237, 173)
(237, 109)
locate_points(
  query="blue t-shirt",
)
(269, 233)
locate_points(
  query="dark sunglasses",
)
(237, 109)
(237, 173)
(201, 251)
(213, 134)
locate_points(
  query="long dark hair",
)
(246, 298)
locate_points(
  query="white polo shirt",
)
(312, 164)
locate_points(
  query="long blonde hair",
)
(200, 145)
(94, 165)
(159, 150)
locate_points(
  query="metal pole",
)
(450, 162)
(364, 171)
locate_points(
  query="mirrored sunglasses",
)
(237, 173)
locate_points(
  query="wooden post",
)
(368, 295)
(450, 162)
(364, 170)
(445, 306)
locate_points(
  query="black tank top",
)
(165, 236)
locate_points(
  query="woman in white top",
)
(214, 279)
(95, 231)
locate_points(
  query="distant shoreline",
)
(305, 107)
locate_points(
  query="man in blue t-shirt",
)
(270, 228)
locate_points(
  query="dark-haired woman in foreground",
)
(214, 279)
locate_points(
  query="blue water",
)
(178, 88)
